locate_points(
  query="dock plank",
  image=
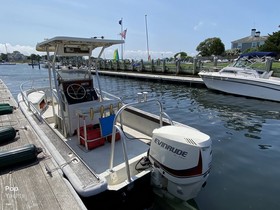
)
(30, 186)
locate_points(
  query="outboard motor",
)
(181, 159)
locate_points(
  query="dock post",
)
(215, 60)
(268, 64)
(32, 63)
(178, 67)
(39, 63)
(194, 65)
(141, 66)
(163, 66)
(117, 65)
(152, 65)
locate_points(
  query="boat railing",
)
(29, 104)
(142, 98)
(108, 95)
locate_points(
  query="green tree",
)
(211, 46)
(232, 52)
(252, 49)
(33, 57)
(4, 57)
(183, 55)
(272, 44)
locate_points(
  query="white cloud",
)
(202, 24)
(108, 54)
(138, 54)
(25, 50)
(198, 26)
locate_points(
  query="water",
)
(245, 132)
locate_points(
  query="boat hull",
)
(249, 87)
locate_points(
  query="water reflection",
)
(187, 105)
(239, 113)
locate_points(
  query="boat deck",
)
(29, 186)
(97, 159)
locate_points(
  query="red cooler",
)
(94, 138)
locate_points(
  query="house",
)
(254, 40)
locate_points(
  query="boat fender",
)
(7, 134)
(6, 110)
(19, 155)
(4, 104)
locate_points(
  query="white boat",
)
(7, 63)
(102, 144)
(245, 77)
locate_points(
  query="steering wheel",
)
(76, 91)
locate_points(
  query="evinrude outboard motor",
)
(181, 159)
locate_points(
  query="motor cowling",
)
(181, 159)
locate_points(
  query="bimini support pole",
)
(50, 79)
(96, 71)
(60, 101)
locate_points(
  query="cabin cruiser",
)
(101, 143)
(246, 78)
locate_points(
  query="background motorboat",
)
(249, 76)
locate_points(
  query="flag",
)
(116, 55)
(123, 34)
(120, 22)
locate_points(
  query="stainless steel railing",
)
(142, 98)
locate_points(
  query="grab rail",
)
(119, 128)
(25, 99)
(28, 103)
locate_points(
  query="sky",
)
(172, 25)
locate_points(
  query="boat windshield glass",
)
(242, 63)
(68, 75)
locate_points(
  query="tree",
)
(272, 44)
(211, 46)
(33, 57)
(181, 55)
(233, 52)
(4, 57)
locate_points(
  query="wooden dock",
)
(29, 186)
(190, 81)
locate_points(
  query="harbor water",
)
(245, 133)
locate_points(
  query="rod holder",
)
(145, 94)
(140, 95)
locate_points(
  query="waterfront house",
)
(252, 41)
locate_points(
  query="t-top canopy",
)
(73, 46)
(258, 54)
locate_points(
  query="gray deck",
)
(29, 186)
(98, 158)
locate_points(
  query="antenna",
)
(147, 38)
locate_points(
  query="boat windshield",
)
(242, 63)
(69, 75)
(258, 64)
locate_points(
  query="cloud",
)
(25, 50)
(108, 53)
(202, 24)
(139, 54)
(198, 26)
